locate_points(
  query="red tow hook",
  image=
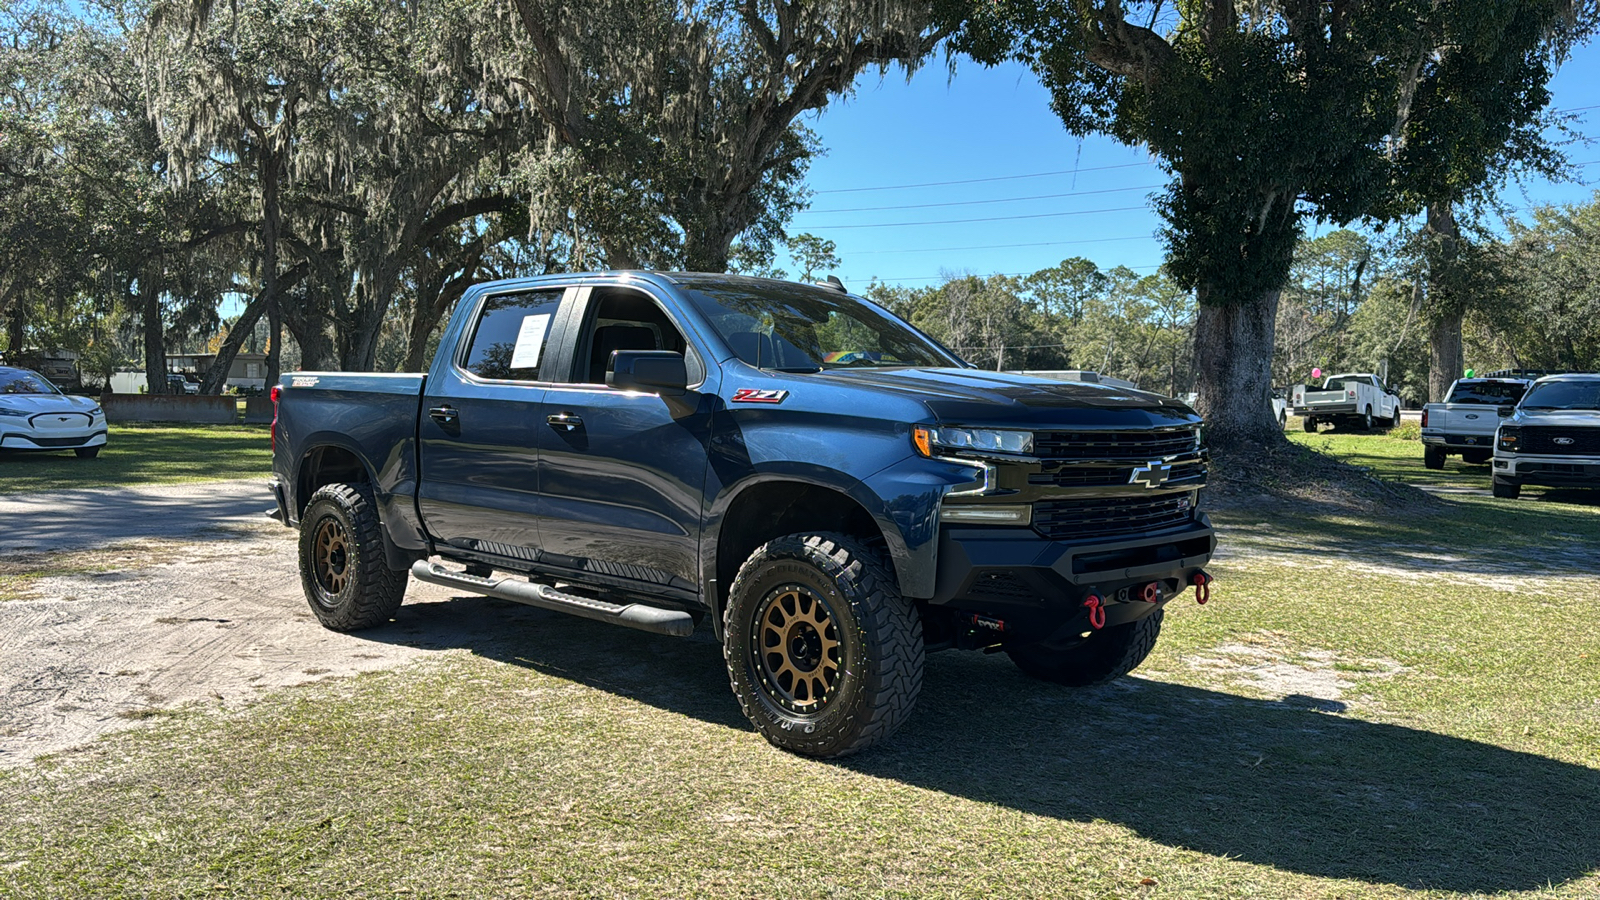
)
(1151, 592)
(1097, 612)
(1202, 587)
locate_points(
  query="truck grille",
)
(1074, 476)
(1114, 444)
(1109, 516)
(1542, 439)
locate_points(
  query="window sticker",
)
(530, 341)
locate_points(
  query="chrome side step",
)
(634, 615)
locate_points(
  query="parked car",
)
(1356, 399)
(830, 489)
(1464, 423)
(1551, 438)
(35, 415)
(179, 384)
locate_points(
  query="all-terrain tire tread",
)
(380, 589)
(894, 619)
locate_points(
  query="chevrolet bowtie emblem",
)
(1151, 474)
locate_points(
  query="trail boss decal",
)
(755, 395)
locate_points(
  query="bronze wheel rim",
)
(330, 556)
(796, 651)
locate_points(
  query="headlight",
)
(13, 412)
(929, 440)
(1510, 438)
(97, 411)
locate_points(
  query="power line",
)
(1079, 212)
(896, 187)
(1006, 274)
(1136, 237)
(1146, 187)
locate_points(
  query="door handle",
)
(564, 421)
(447, 416)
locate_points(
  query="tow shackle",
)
(1202, 586)
(1097, 612)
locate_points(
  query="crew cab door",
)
(477, 438)
(622, 473)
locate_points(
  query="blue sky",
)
(943, 174)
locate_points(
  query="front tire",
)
(344, 573)
(1103, 656)
(1505, 490)
(824, 654)
(1433, 457)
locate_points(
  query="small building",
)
(248, 372)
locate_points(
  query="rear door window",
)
(511, 334)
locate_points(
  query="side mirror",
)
(651, 371)
(1506, 411)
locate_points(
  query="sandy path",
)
(203, 603)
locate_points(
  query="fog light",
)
(988, 514)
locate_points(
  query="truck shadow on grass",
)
(1276, 783)
(1468, 536)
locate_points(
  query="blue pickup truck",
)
(834, 491)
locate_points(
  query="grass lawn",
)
(146, 454)
(1406, 708)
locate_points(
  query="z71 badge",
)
(754, 395)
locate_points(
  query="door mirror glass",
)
(652, 371)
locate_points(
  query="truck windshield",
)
(1563, 395)
(793, 327)
(1489, 393)
(18, 382)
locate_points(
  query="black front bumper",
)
(1013, 573)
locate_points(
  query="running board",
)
(634, 615)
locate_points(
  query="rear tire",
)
(1309, 424)
(1105, 655)
(1505, 490)
(824, 654)
(346, 578)
(1366, 419)
(87, 452)
(1433, 457)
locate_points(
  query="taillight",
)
(1424, 417)
(277, 390)
(1349, 395)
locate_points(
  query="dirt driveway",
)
(167, 595)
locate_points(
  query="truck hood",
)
(1571, 418)
(974, 397)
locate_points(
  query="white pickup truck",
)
(1466, 421)
(1351, 399)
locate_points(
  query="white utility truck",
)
(1354, 398)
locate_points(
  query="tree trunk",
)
(274, 343)
(307, 321)
(216, 376)
(15, 326)
(1445, 362)
(1447, 309)
(155, 343)
(1233, 371)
